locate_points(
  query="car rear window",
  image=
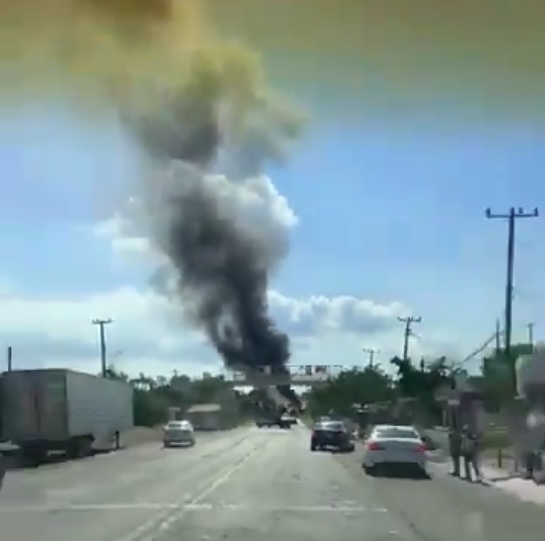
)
(179, 425)
(333, 426)
(397, 433)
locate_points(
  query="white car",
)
(178, 433)
(390, 445)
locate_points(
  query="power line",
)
(102, 336)
(511, 219)
(480, 349)
(408, 333)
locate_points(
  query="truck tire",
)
(80, 448)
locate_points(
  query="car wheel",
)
(369, 470)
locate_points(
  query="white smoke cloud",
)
(254, 204)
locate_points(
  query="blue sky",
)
(396, 210)
(389, 182)
(390, 210)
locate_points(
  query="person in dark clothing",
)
(470, 453)
(455, 447)
(2, 469)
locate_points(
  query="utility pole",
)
(531, 334)
(407, 333)
(498, 336)
(102, 336)
(10, 359)
(511, 219)
(371, 353)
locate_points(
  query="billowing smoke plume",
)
(219, 251)
(194, 104)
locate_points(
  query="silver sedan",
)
(178, 433)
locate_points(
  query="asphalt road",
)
(251, 485)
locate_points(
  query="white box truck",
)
(63, 410)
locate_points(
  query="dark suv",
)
(331, 434)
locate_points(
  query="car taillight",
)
(374, 446)
(421, 448)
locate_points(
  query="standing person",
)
(470, 453)
(3, 468)
(455, 448)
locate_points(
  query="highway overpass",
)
(304, 375)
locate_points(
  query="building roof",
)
(204, 408)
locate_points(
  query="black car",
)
(331, 434)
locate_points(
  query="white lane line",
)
(149, 530)
(194, 506)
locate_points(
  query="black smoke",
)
(220, 271)
(221, 267)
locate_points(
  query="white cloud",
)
(149, 334)
(146, 330)
(254, 203)
(330, 315)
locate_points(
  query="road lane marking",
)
(193, 506)
(148, 530)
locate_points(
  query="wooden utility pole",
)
(371, 353)
(498, 336)
(531, 326)
(407, 333)
(102, 337)
(511, 219)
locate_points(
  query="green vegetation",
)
(496, 382)
(154, 396)
(410, 388)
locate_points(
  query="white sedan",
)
(390, 445)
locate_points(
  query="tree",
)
(421, 383)
(349, 390)
(496, 370)
(153, 396)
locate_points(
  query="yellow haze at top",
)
(120, 50)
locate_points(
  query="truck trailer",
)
(51, 410)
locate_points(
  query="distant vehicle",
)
(284, 422)
(48, 410)
(178, 433)
(391, 446)
(281, 421)
(289, 419)
(265, 422)
(331, 434)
